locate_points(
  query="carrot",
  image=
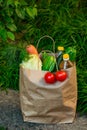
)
(31, 49)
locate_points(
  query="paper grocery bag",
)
(47, 103)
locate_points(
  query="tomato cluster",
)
(51, 78)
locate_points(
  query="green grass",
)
(11, 57)
(2, 128)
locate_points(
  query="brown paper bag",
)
(47, 103)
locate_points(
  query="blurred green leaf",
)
(9, 2)
(31, 11)
(20, 12)
(11, 35)
(3, 34)
(17, 3)
(12, 27)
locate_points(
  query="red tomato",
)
(61, 75)
(49, 78)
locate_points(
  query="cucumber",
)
(48, 62)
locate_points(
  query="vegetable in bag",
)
(48, 62)
(33, 63)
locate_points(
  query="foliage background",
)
(23, 22)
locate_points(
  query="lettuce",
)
(33, 63)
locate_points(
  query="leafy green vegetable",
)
(33, 63)
(72, 53)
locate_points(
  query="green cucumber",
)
(48, 62)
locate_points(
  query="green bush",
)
(13, 14)
(65, 21)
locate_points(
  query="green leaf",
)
(32, 12)
(11, 35)
(3, 34)
(17, 3)
(9, 2)
(12, 27)
(1, 1)
(20, 12)
(9, 12)
(24, 3)
(35, 11)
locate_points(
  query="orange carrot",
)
(31, 49)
